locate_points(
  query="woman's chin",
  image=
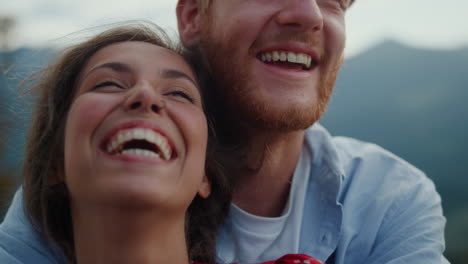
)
(124, 198)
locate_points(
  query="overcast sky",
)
(440, 24)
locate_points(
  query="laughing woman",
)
(115, 169)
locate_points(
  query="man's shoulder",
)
(388, 206)
(380, 183)
(369, 160)
(366, 164)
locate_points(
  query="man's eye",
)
(107, 84)
(342, 3)
(181, 94)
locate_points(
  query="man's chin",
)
(265, 116)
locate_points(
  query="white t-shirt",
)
(247, 238)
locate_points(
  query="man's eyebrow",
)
(115, 66)
(176, 74)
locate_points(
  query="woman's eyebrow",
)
(175, 74)
(115, 66)
(124, 68)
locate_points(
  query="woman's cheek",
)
(87, 111)
(191, 122)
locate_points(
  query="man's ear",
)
(189, 22)
(204, 190)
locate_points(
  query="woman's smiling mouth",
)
(139, 141)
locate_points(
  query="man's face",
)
(275, 61)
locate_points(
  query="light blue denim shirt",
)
(362, 205)
(372, 207)
(365, 205)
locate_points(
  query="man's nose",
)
(144, 97)
(302, 15)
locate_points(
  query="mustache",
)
(307, 38)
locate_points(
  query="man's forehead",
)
(205, 3)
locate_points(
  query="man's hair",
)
(46, 199)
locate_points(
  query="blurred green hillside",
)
(410, 101)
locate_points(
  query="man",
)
(301, 191)
(298, 190)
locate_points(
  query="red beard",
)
(233, 84)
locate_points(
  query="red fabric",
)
(287, 259)
(294, 259)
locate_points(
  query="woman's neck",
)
(118, 235)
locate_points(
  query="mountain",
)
(14, 104)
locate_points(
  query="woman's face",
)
(136, 133)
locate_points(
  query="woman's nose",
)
(144, 97)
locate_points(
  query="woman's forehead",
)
(138, 55)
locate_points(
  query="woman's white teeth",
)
(283, 56)
(116, 143)
(292, 57)
(141, 152)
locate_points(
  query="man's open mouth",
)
(288, 59)
(139, 141)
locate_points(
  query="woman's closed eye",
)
(108, 84)
(181, 94)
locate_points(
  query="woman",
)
(115, 166)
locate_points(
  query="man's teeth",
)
(117, 141)
(288, 56)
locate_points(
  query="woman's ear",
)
(204, 190)
(189, 22)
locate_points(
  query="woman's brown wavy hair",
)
(47, 200)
